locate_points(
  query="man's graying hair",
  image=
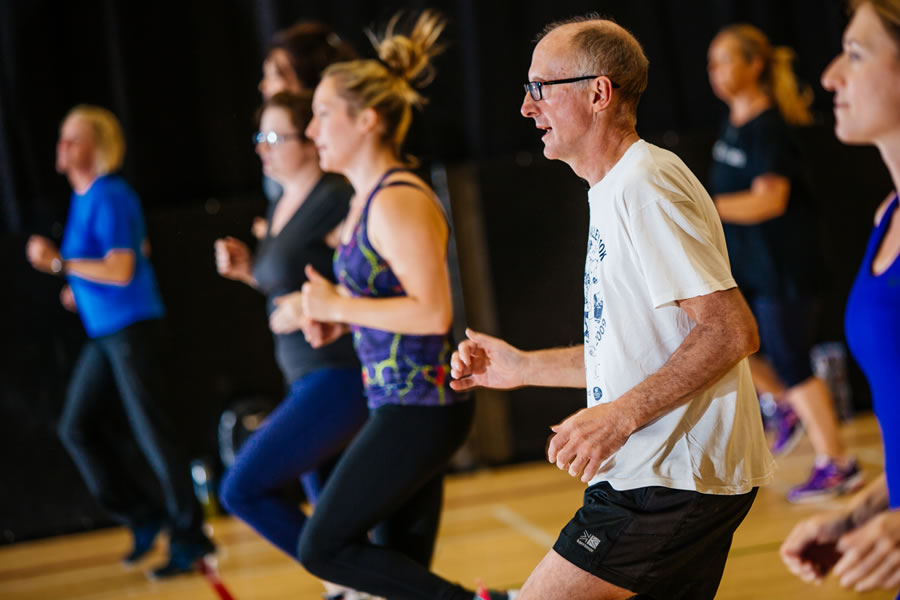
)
(605, 48)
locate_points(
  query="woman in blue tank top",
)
(394, 295)
(861, 541)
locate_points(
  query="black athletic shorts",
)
(657, 542)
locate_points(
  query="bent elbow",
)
(751, 339)
(441, 323)
(438, 322)
(125, 275)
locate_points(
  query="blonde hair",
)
(888, 12)
(777, 77)
(388, 84)
(603, 47)
(109, 141)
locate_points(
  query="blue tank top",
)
(872, 325)
(396, 368)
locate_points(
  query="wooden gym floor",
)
(497, 524)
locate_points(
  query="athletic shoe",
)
(827, 481)
(143, 535)
(183, 558)
(788, 430)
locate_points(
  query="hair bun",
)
(409, 56)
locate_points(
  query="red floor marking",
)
(211, 573)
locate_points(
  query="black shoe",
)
(183, 558)
(144, 535)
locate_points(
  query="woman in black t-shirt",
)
(758, 188)
(325, 405)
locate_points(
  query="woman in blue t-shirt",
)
(112, 287)
(758, 187)
(863, 537)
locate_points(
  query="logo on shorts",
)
(589, 541)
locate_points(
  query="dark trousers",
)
(130, 359)
(301, 438)
(389, 480)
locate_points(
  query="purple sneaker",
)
(827, 481)
(788, 429)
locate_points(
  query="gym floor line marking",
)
(522, 525)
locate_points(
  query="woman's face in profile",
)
(865, 79)
(729, 72)
(278, 75)
(289, 152)
(75, 149)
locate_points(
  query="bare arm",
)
(410, 233)
(233, 260)
(724, 334)
(869, 501)
(766, 199)
(116, 268)
(486, 361)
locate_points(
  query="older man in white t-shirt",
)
(671, 442)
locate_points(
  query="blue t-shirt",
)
(872, 325)
(108, 217)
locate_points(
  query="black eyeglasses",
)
(535, 88)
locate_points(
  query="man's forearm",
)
(556, 367)
(705, 355)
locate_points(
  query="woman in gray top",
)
(325, 406)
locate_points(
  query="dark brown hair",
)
(311, 46)
(297, 105)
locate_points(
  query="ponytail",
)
(777, 78)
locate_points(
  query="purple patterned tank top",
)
(396, 368)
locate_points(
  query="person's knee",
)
(234, 494)
(314, 552)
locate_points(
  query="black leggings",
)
(132, 360)
(390, 481)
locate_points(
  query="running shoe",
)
(183, 558)
(143, 535)
(788, 430)
(827, 481)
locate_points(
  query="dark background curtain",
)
(182, 78)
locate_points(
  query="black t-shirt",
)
(779, 258)
(279, 269)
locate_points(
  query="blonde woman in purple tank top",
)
(394, 295)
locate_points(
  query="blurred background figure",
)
(861, 540)
(294, 63)
(112, 287)
(756, 181)
(325, 406)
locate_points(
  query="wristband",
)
(57, 266)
